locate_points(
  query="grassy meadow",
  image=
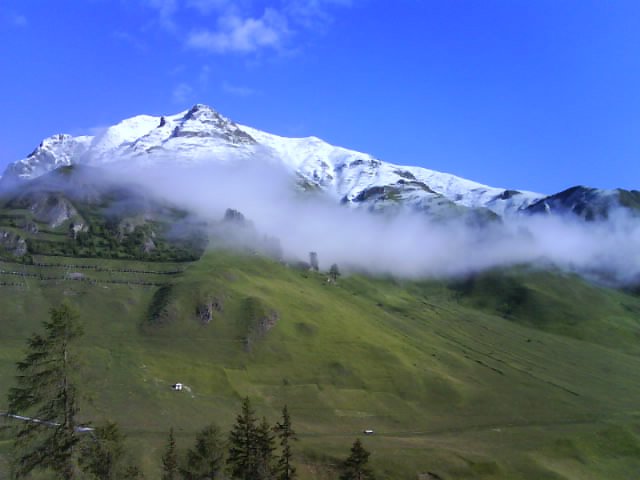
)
(517, 374)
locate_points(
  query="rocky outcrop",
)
(76, 228)
(31, 227)
(590, 204)
(259, 321)
(234, 217)
(52, 209)
(148, 245)
(202, 121)
(13, 243)
(205, 311)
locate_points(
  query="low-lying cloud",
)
(404, 244)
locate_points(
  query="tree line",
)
(252, 450)
(48, 435)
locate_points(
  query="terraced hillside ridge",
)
(515, 374)
(78, 211)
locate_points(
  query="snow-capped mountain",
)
(201, 134)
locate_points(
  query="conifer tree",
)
(284, 468)
(355, 467)
(204, 460)
(265, 443)
(46, 393)
(103, 452)
(334, 272)
(243, 450)
(170, 459)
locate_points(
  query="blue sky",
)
(530, 94)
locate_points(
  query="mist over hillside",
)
(350, 207)
(400, 241)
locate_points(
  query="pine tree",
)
(265, 443)
(334, 272)
(170, 459)
(243, 451)
(204, 461)
(46, 392)
(284, 468)
(102, 453)
(355, 467)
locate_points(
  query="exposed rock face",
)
(148, 245)
(205, 311)
(76, 228)
(266, 323)
(202, 121)
(31, 227)
(234, 216)
(260, 328)
(13, 243)
(588, 203)
(53, 210)
(126, 227)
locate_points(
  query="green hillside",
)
(80, 211)
(512, 375)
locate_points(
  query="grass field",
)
(509, 375)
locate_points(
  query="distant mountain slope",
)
(588, 203)
(200, 135)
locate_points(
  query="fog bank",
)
(405, 244)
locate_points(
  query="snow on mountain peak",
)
(201, 134)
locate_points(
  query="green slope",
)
(515, 375)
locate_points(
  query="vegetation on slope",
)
(74, 212)
(519, 374)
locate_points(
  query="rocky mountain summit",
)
(202, 135)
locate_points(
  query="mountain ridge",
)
(201, 135)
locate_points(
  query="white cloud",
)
(183, 93)
(312, 14)
(238, 90)
(238, 29)
(242, 35)
(407, 244)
